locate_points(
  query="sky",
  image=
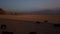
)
(29, 5)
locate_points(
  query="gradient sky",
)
(29, 5)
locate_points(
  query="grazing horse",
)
(38, 22)
(3, 26)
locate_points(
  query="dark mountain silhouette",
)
(2, 11)
(53, 11)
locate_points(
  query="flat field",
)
(50, 18)
(24, 24)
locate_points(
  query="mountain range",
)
(47, 11)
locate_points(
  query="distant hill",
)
(2, 11)
(5, 12)
(47, 11)
(53, 11)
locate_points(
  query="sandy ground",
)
(24, 27)
(50, 18)
(23, 24)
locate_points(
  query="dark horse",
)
(38, 22)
